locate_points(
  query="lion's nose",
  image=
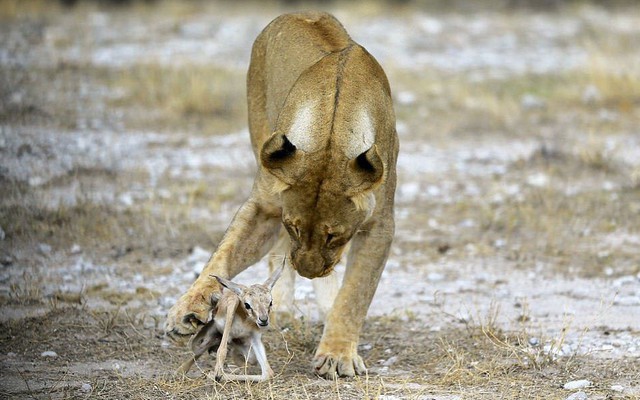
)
(308, 265)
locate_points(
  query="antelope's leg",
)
(261, 356)
(207, 338)
(221, 354)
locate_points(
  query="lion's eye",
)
(271, 303)
(329, 239)
(247, 306)
(292, 229)
(334, 241)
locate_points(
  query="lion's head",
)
(325, 200)
(325, 157)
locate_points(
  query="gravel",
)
(578, 396)
(579, 384)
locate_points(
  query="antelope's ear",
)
(366, 170)
(234, 287)
(275, 276)
(280, 157)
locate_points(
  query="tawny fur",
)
(323, 133)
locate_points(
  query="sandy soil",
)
(515, 269)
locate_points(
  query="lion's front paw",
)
(332, 364)
(188, 314)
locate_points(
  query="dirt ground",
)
(515, 269)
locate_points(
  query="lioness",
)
(323, 132)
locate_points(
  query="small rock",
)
(467, 223)
(463, 316)
(6, 261)
(126, 199)
(198, 254)
(17, 98)
(499, 243)
(538, 180)
(390, 361)
(607, 116)
(406, 97)
(75, 249)
(197, 259)
(591, 95)
(531, 102)
(86, 388)
(627, 301)
(435, 277)
(36, 181)
(617, 388)
(44, 249)
(49, 353)
(2, 234)
(164, 193)
(11, 354)
(401, 128)
(410, 190)
(534, 341)
(167, 302)
(578, 396)
(624, 280)
(579, 384)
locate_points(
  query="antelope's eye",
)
(247, 306)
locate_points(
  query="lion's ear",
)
(279, 156)
(367, 170)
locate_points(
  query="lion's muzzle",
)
(311, 265)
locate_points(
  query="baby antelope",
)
(237, 319)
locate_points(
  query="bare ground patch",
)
(124, 154)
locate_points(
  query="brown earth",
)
(515, 268)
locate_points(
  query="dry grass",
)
(617, 81)
(476, 359)
(452, 105)
(27, 290)
(13, 9)
(566, 232)
(104, 229)
(203, 93)
(565, 220)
